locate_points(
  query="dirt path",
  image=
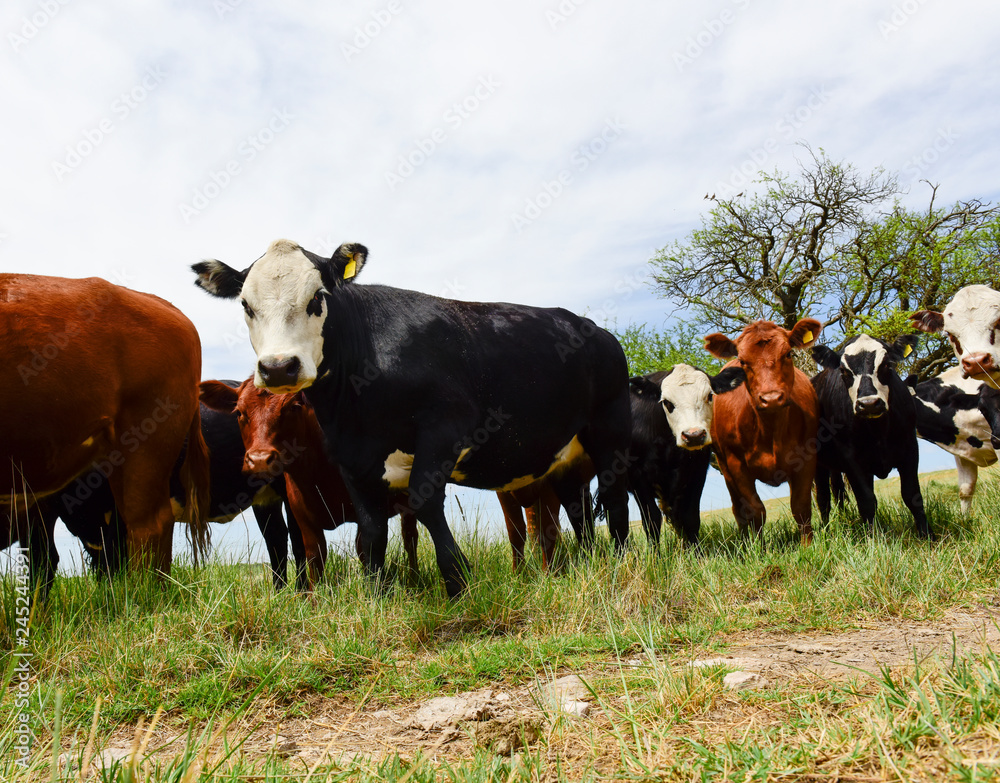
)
(504, 717)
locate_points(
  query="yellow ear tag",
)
(351, 269)
(807, 337)
(907, 351)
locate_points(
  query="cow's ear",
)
(826, 357)
(805, 333)
(347, 261)
(903, 346)
(641, 386)
(729, 378)
(218, 396)
(927, 320)
(219, 279)
(720, 346)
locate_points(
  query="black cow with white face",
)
(672, 444)
(414, 391)
(870, 418)
(961, 415)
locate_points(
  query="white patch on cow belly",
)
(565, 458)
(397, 469)
(399, 466)
(973, 423)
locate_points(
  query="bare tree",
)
(835, 244)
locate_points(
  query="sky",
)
(534, 152)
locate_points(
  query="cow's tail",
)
(194, 476)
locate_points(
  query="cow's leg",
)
(546, 518)
(649, 512)
(43, 559)
(371, 503)
(275, 533)
(838, 489)
(800, 501)
(428, 478)
(408, 530)
(304, 503)
(968, 474)
(863, 485)
(748, 509)
(298, 550)
(575, 497)
(143, 500)
(909, 489)
(686, 499)
(687, 513)
(823, 492)
(606, 440)
(516, 530)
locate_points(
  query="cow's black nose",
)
(695, 437)
(281, 373)
(870, 407)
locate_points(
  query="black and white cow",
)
(414, 391)
(972, 322)
(87, 507)
(671, 444)
(869, 418)
(960, 415)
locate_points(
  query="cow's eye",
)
(669, 406)
(846, 374)
(247, 308)
(315, 306)
(711, 396)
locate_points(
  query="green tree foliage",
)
(835, 244)
(648, 349)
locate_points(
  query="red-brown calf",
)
(281, 434)
(766, 429)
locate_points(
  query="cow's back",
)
(78, 353)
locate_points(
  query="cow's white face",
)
(865, 368)
(686, 397)
(285, 309)
(972, 322)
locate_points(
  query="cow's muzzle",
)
(280, 373)
(694, 438)
(870, 407)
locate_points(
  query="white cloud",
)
(228, 68)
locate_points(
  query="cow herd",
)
(366, 401)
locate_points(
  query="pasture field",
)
(880, 658)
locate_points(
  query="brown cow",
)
(100, 375)
(281, 434)
(766, 429)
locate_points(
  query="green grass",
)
(208, 652)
